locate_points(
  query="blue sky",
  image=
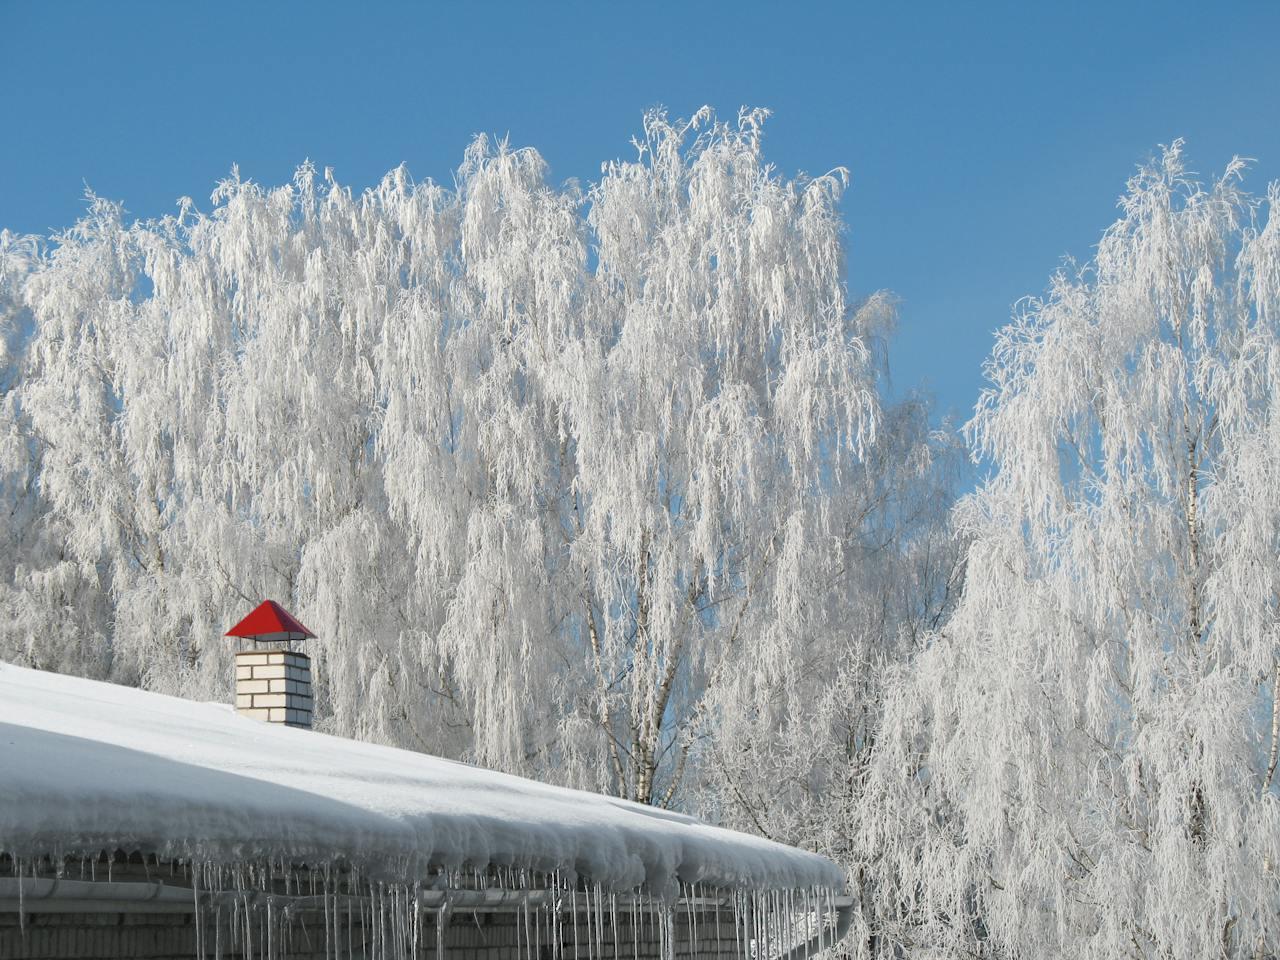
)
(985, 141)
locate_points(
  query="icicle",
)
(738, 921)
(248, 926)
(754, 916)
(541, 918)
(379, 930)
(826, 911)
(573, 909)
(773, 941)
(818, 918)
(760, 917)
(742, 927)
(767, 914)
(691, 912)
(613, 921)
(599, 923)
(651, 916)
(326, 923)
(717, 908)
(390, 921)
(556, 920)
(416, 918)
(524, 910)
(807, 933)
(763, 947)
(22, 909)
(786, 921)
(195, 895)
(785, 930)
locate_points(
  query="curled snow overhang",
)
(91, 766)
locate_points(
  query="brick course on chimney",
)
(275, 686)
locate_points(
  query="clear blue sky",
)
(985, 141)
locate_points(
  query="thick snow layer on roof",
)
(87, 766)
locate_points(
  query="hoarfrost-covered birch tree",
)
(714, 444)
(793, 747)
(543, 467)
(1083, 762)
(52, 609)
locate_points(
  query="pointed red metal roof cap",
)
(268, 617)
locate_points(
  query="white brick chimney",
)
(274, 685)
(273, 681)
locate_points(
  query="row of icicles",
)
(277, 911)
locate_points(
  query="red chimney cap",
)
(269, 620)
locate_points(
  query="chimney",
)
(273, 681)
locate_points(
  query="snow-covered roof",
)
(88, 766)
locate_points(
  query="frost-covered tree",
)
(791, 748)
(715, 416)
(544, 467)
(52, 610)
(1083, 762)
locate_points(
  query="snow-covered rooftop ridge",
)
(89, 766)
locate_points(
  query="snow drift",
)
(90, 766)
